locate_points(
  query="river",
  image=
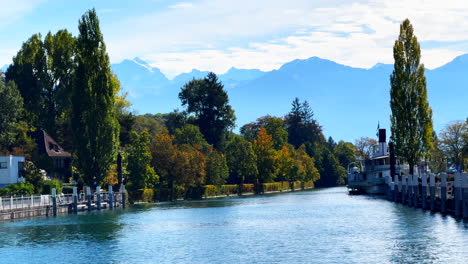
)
(318, 226)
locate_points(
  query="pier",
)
(441, 193)
(18, 207)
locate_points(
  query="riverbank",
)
(213, 191)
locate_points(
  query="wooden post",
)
(403, 189)
(410, 190)
(54, 201)
(464, 179)
(1, 203)
(457, 191)
(423, 191)
(98, 193)
(111, 197)
(390, 187)
(11, 203)
(88, 197)
(32, 201)
(443, 192)
(122, 190)
(416, 190)
(395, 194)
(432, 190)
(75, 200)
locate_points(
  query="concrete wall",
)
(10, 174)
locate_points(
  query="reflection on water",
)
(319, 226)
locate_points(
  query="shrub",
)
(17, 189)
(50, 184)
(147, 195)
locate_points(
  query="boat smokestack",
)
(382, 142)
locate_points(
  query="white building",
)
(10, 167)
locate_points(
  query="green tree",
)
(266, 156)
(217, 170)
(241, 160)
(301, 125)
(331, 172)
(191, 135)
(411, 118)
(452, 141)
(43, 71)
(11, 109)
(208, 101)
(311, 173)
(274, 127)
(345, 152)
(141, 174)
(94, 123)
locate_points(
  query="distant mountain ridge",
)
(347, 101)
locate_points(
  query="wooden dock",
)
(19, 207)
(433, 193)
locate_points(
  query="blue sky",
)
(177, 36)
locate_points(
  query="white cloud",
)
(181, 5)
(215, 35)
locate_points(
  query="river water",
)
(318, 226)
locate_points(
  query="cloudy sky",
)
(215, 35)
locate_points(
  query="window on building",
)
(3, 165)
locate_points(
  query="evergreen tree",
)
(94, 123)
(411, 118)
(208, 101)
(301, 125)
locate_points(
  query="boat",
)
(368, 176)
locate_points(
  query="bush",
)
(229, 189)
(308, 185)
(17, 189)
(50, 184)
(272, 187)
(211, 190)
(147, 195)
(247, 188)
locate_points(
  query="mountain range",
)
(348, 102)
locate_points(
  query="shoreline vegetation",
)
(63, 84)
(232, 190)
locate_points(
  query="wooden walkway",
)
(18, 207)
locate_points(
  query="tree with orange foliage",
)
(266, 156)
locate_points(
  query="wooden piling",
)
(457, 192)
(397, 186)
(124, 198)
(98, 194)
(432, 190)
(416, 191)
(54, 201)
(464, 195)
(88, 197)
(443, 192)
(403, 189)
(423, 191)
(111, 197)
(75, 200)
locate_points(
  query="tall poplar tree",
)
(94, 123)
(411, 118)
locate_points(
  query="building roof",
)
(48, 145)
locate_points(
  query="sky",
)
(178, 36)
